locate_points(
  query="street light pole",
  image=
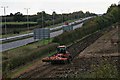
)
(78, 15)
(68, 14)
(62, 15)
(42, 20)
(53, 17)
(4, 8)
(27, 18)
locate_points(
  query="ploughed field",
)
(93, 51)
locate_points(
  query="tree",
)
(18, 17)
(111, 7)
(11, 14)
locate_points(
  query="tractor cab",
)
(61, 49)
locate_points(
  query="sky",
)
(59, 6)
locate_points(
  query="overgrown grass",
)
(104, 70)
(20, 70)
(22, 59)
(25, 49)
(76, 34)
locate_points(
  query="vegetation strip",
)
(27, 67)
(20, 38)
(78, 42)
(83, 42)
(35, 21)
(90, 27)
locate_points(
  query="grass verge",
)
(25, 49)
(27, 67)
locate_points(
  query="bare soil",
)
(102, 49)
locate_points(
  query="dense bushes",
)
(112, 16)
(69, 37)
(26, 58)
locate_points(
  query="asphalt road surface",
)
(11, 45)
(30, 34)
(15, 44)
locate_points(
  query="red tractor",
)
(62, 56)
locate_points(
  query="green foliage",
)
(25, 58)
(18, 17)
(42, 18)
(24, 49)
(69, 37)
(104, 70)
(112, 16)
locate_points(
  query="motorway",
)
(15, 44)
(31, 34)
(18, 43)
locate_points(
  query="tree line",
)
(19, 17)
(43, 19)
(111, 17)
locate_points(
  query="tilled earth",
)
(98, 52)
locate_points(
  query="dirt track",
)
(101, 49)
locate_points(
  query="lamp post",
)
(62, 15)
(53, 15)
(53, 19)
(4, 8)
(27, 9)
(42, 20)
